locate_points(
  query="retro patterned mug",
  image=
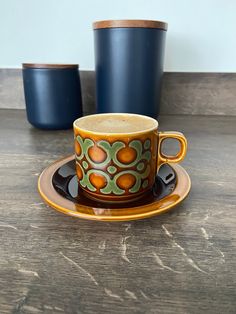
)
(118, 155)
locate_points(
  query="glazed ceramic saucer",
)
(59, 188)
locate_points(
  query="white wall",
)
(201, 35)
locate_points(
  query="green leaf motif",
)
(112, 187)
(85, 145)
(111, 169)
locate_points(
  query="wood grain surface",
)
(130, 23)
(50, 66)
(180, 262)
(182, 93)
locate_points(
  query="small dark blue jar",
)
(129, 57)
(52, 95)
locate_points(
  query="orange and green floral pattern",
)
(113, 168)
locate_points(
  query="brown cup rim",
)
(50, 66)
(130, 24)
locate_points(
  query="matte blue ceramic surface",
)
(129, 68)
(52, 96)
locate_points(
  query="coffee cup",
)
(118, 155)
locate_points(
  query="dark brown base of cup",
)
(115, 199)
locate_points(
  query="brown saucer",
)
(58, 187)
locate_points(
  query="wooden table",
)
(181, 262)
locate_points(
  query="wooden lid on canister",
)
(130, 24)
(49, 66)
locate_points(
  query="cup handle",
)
(162, 158)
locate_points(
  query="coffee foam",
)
(116, 123)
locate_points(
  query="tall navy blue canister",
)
(129, 57)
(52, 95)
